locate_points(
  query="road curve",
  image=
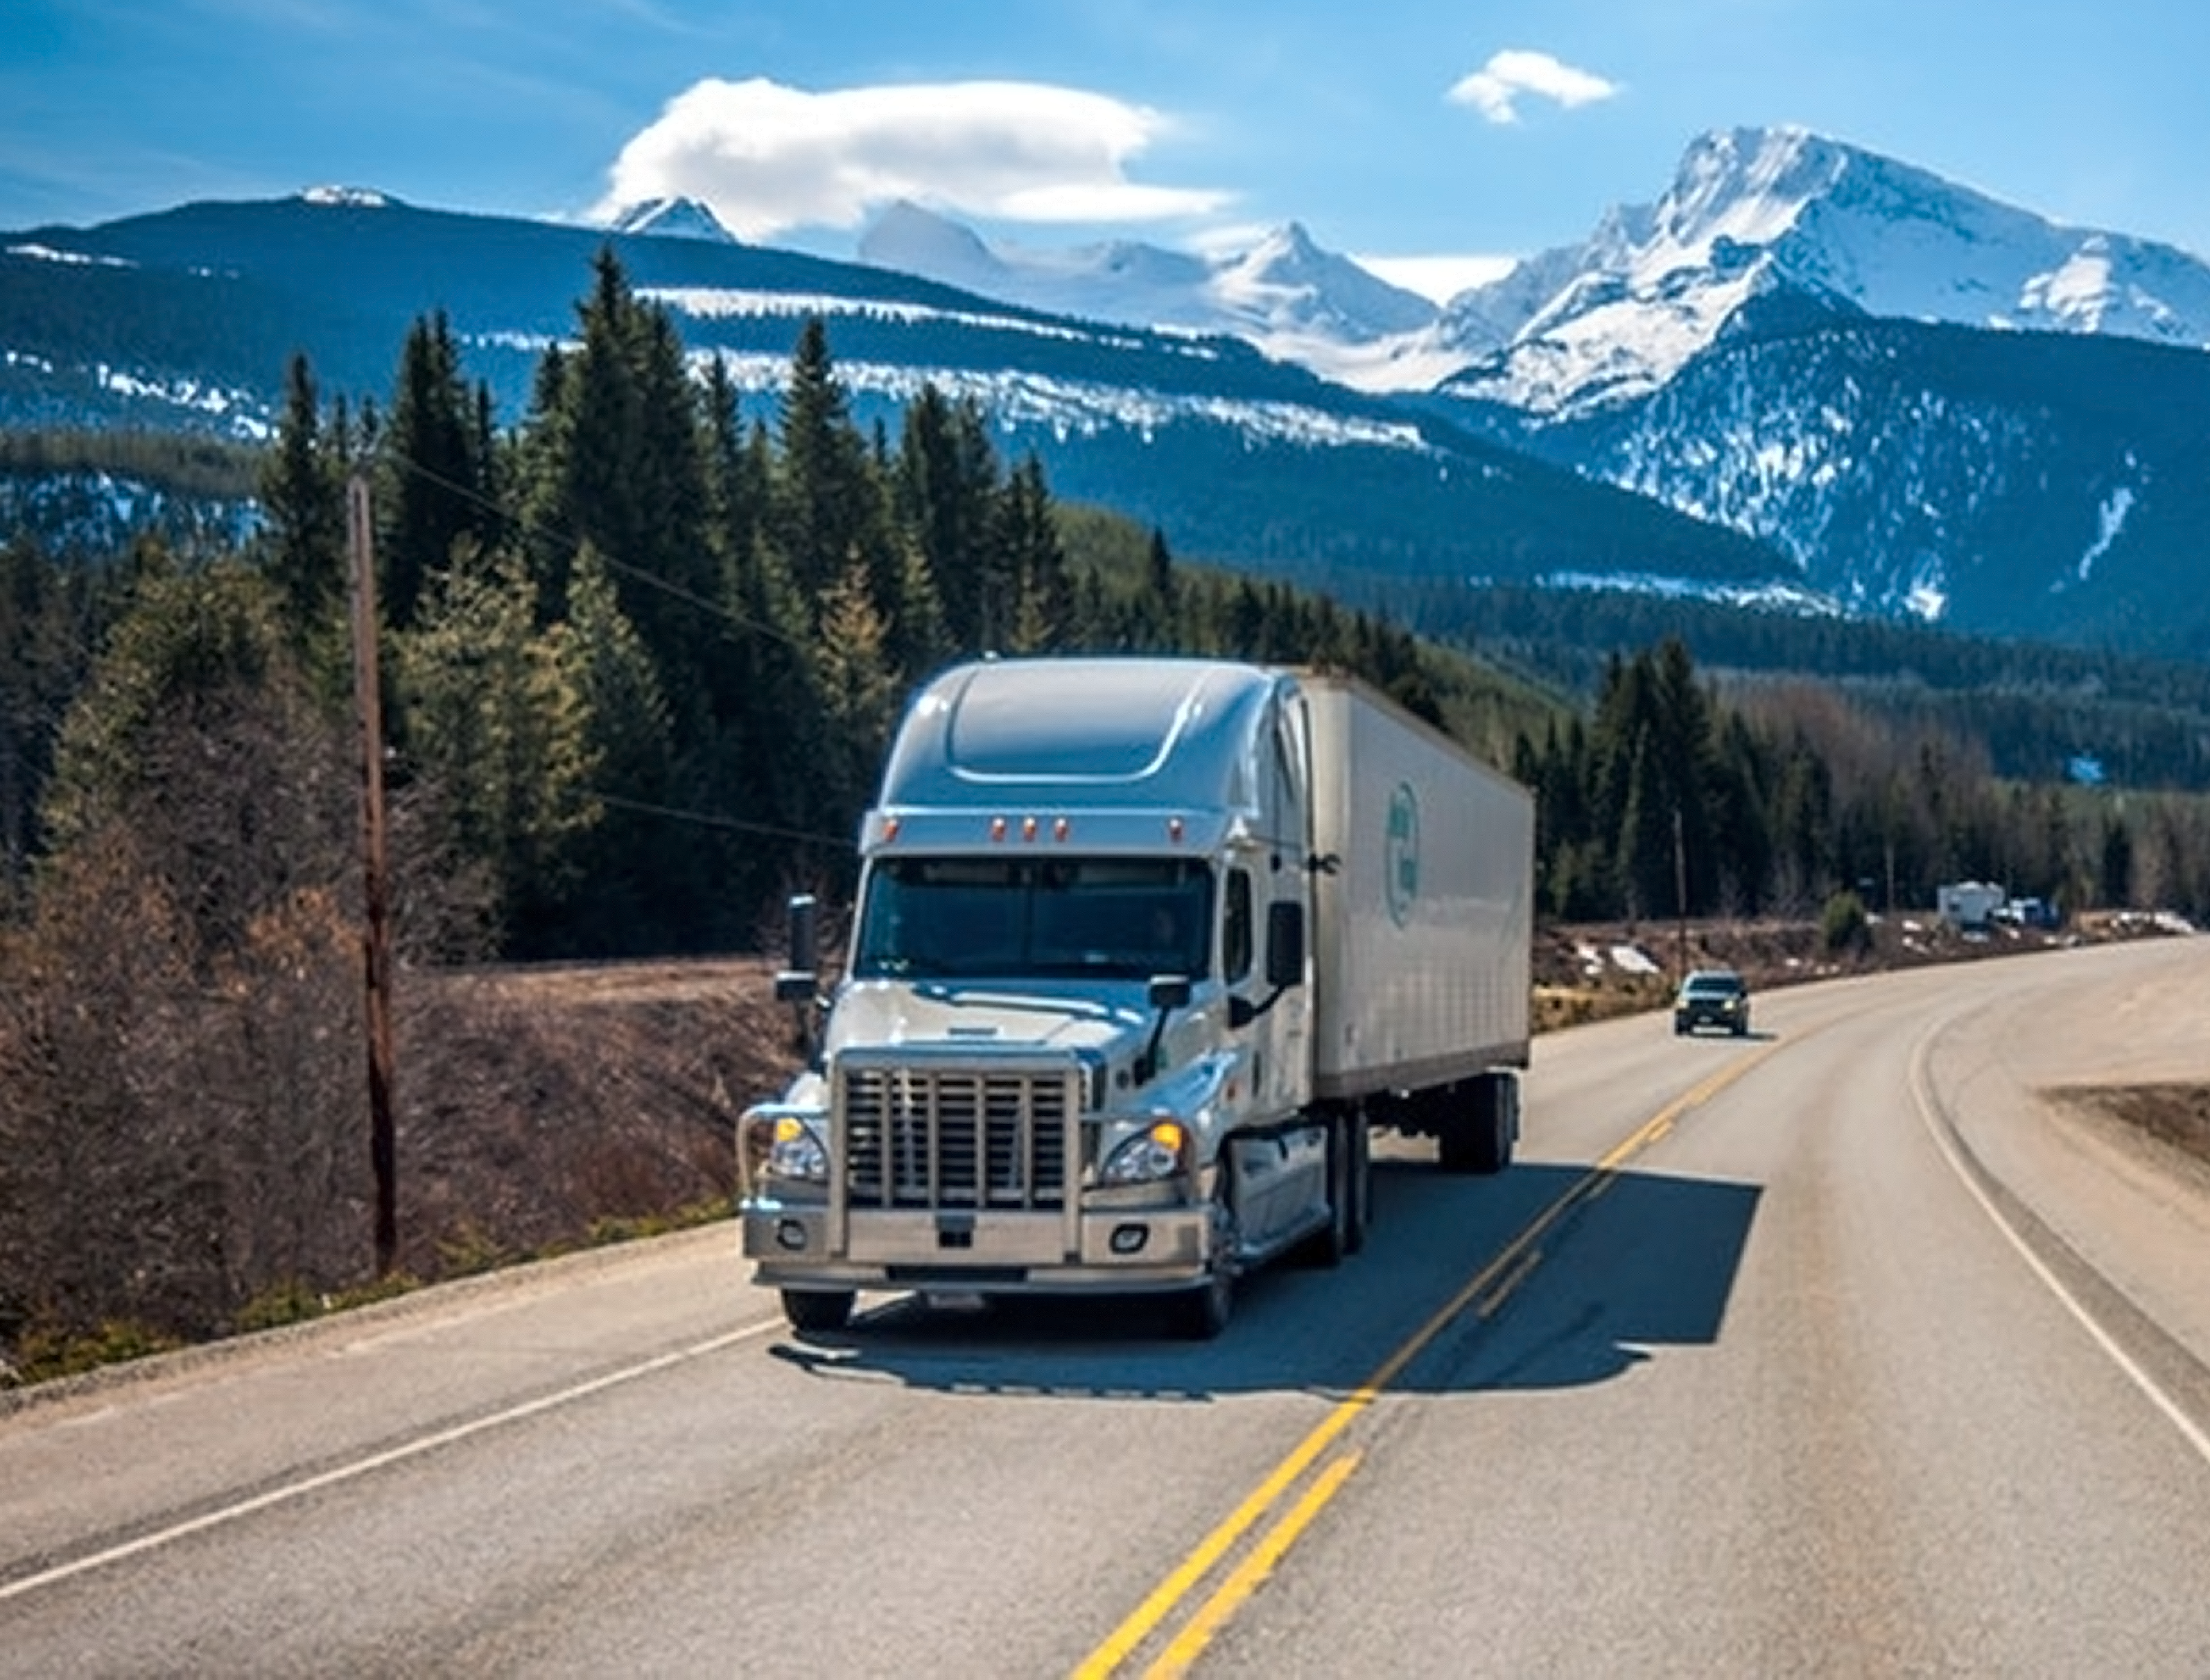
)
(1839, 1350)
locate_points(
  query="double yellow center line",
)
(1484, 1292)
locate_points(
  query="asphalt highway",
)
(1840, 1349)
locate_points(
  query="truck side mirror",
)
(1285, 943)
(799, 982)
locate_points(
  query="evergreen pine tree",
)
(498, 721)
(821, 510)
(618, 907)
(433, 490)
(46, 633)
(303, 494)
(858, 691)
(947, 483)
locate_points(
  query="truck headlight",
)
(1153, 1153)
(785, 1146)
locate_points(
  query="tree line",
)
(1678, 795)
(2037, 708)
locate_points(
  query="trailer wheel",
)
(818, 1310)
(1502, 1105)
(1459, 1127)
(1477, 1134)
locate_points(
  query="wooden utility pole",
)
(1680, 889)
(376, 898)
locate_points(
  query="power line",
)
(707, 819)
(613, 561)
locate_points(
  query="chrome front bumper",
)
(1002, 1252)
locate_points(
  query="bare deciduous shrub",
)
(98, 1179)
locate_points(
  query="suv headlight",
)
(1157, 1152)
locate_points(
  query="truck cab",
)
(1078, 969)
(1143, 947)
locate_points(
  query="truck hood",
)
(1107, 1027)
(939, 1013)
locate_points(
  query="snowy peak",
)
(911, 240)
(671, 219)
(1756, 214)
(1284, 293)
(353, 198)
(1289, 282)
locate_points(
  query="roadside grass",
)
(43, 1353)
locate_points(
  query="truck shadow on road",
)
(1551, 1276)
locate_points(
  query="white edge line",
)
(347, 1472)
(1921, 1091)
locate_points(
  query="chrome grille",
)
(924, 1137)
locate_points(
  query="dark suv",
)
(1712, 997)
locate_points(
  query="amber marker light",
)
(1061, 828)
(1028, 827)
(997, 827)
(1173, 829)
(889, 829)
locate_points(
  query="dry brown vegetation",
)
(539, 1104)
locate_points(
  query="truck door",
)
(1280, 876)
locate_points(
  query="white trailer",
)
(1143, 948)
(1422, 933)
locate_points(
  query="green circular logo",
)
(1400, 881)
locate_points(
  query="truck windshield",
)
(1035, 917)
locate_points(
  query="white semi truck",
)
(1143, 948)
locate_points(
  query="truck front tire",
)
(1202, 1313)
(814, 1310)
(1344, 1233)
(1359, 1208)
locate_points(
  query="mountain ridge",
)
(1751, 212)
(1202, 436)
(1678, 402)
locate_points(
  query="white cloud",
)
(1494, 89)
(768, 157)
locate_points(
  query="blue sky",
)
(1407, 130)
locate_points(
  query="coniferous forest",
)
(640, 654)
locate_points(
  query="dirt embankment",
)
(545, 1107)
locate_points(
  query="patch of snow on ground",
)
(2111, 520)
(1633, 960)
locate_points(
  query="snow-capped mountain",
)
(186, 320)
(1803, 368)
(1937, 406)
(1285, 294)
(671, 218)
(2040, 484)
(1772, 221)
